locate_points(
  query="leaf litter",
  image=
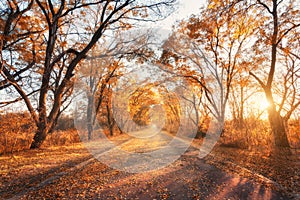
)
(72, 173)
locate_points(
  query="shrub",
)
(65, 122)
(254, 134)
(16, 132)
(58, 138)
(294, 133)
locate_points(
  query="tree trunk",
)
(241, 110)
(55, 122)
(90, 131)
(90, 116)
(45, 124)
(276, 123)
(39, 136)
(278, 129)
(220, 125)
(110, 121)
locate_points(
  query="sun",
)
(259, 101)
(263, 104)
(259, 105)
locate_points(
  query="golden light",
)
(263, 104)
(258, 106)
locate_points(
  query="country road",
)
(186, 177)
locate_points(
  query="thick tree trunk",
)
(46, 124)
(220, 125)
(40, 136)
(277, 123)
(90, 131)
(278, 129)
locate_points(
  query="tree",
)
(104, 66)
(172, 109)
(206, 49)
(97, 74)
(242, 89)
(62, 39)
(215, 47)
(140, 102)
(18, 52)
(287, 89)
(273, 27)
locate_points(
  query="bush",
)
(58, 138)
(16, 132)
(254, 134)
(294, 133)
(65, 122)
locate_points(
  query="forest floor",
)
(71, 172)
(279, 172)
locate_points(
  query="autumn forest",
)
(101, 88)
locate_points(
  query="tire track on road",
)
(55, 177)
(58, 175)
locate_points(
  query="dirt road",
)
(188, 177)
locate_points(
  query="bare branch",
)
(287, 31)
(258, 80)
(265, 6)
(6, 103)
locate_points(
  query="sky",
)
(185, 9)
(188, 7)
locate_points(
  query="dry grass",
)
(17, 131)
(59, 138)
(256, 135)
